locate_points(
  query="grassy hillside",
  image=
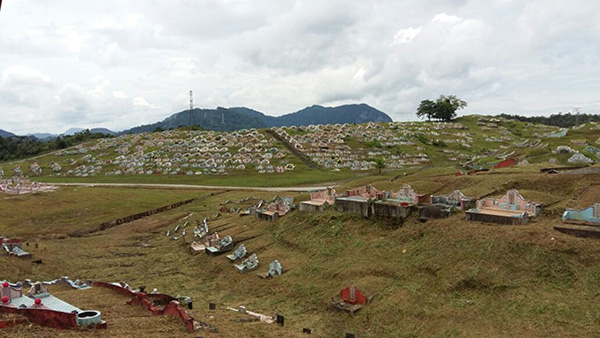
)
(444, 278)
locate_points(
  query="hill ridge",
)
(236, 118)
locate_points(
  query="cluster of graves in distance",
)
(174, 152)
(471, 141)
(402, 144)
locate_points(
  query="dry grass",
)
(456, 278)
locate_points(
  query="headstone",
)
(212, 306)
(350, 335)
(306, 330)
(280, 319)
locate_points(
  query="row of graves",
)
(176, 153)
(211, 243)
(366, 201)
(512, 208)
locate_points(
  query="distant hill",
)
(227, 119)
(4, 133)
(70, 132)
(102, 131)
(351, 113)
(42, 136)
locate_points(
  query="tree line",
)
(15, 148)
(559, 120)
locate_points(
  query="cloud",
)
(119, 94)
(407, 35)
(445, 18)
(140, 102)
(119, 64)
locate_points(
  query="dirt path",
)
(188, 186)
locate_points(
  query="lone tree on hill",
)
(443, 109)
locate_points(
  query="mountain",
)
(4, 133)
(227, 119)
(221, 119)
(102, 131)
(351, 113)
(41, 136)
(72, 131)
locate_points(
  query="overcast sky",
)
(118, 64)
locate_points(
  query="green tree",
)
(443, 109)
(427, 109)
(446, 107)
(379, 163)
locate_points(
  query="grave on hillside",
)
(13, 247)
(319, 200)
(276, 208)
(248, 264)
(581, 222)
(44, 309)
(239, 253)
(275, 269)
(511, 208)
(222, 245)
(350, 299)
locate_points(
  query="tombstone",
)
(249, 264)
(306, 330)
(212, 306)
(280, 319)
(240, 252)
(350, 335)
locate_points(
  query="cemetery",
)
(422, 274)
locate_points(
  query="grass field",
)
(442, 278)
(293, 178)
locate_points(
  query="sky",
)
(119, 64)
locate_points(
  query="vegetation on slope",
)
(560, 120)
(14, 148)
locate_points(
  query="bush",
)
(422, 138)
(439, 143)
